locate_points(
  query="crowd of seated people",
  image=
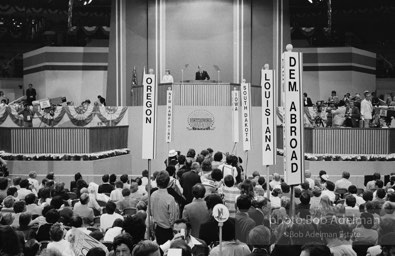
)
(352, 111)
(326, 217)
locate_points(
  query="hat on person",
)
(325, 177)
(172, 153)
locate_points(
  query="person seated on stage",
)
(167, 78)
(201, 74)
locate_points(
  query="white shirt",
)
(22, 193)
(116, 194)
(275, 184)
(359, 200)
(342, 183)
(168, 79)
(311, 182)
(329, 194)
(63, 246)
(366, 109)
(112, 233)
(107, 220)
(275, 201)
(35, 183)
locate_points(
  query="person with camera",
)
(182, 231)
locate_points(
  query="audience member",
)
(106, 187)
(107, 219)
(163, 209)
(196, 212)
(116, 194)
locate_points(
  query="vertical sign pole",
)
(149, 127)
(149, 198)
(293, 147)
(246, 117)
(235, 117)
(169, 119)
(268, 121)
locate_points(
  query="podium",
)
(197, 93)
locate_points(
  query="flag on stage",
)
(149, 116)
(134, 79)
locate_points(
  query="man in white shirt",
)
(343, 183)
(276, 182)
(107, 219)
(33, 180)
(366, 110)
(353, 191)
(116, 194)
(182, 230)
(329, 191)
(23, 191)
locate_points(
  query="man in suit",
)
(307, 100)
(196, 212)
(202, 74)
(189, 179)
(244, 223)
(30, 94)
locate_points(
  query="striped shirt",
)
(163, 208)
(230, 195)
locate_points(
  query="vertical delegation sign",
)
(246, 116)
(149, 117)
(235, 115)
(268, 118)
(169, 115)
(294, 152)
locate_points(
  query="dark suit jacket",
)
(256, 215)
(202, 76)
(244, 224)
(308, 102)
(106, 188)
(188, 180)
(209, 231)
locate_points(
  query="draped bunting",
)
(79, 116)
(107, 114)
(47, 119)
(13, 113)
(3, 114)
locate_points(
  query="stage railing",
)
(73, 140)
(345, 140)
